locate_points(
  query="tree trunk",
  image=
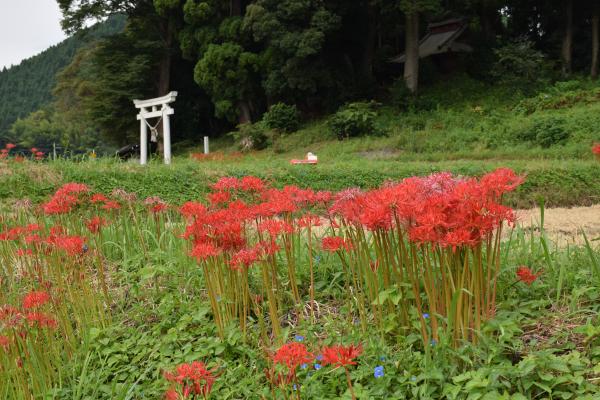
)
(164, 69)
(595, 26)
(245, 114)
(567, 45)
(411, 64)
(235, 7)
(366, 62)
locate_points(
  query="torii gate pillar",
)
(150, 109)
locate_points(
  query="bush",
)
(546, 132)
(282, 117)
(354, 120)
(251, 136)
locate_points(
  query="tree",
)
(412, 10)
(567, 44)
(595, 38)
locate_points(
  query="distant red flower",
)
(341, 356)
(275, 227)
(24, 252)
(111, 205)
(72, 245)
(4, 342)
(292, 355)
(217, 198)
(204, 250)
(34, 150)
(10, 146)
(335, 243)
(192, 209)
(596, 149)
(40, 320)
(245, 257)
(308, 220)
(226, 183)
(35, 299)
(95, 223)
(98, 198)
(526, 275)
(193, 379)
(251, 184)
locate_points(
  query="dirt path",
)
(565, 223)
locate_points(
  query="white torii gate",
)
(150, 109)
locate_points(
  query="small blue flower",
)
(317, 366)
(425, 315)
(295, 387)
(382, 358)
(319, 357)
(299, 338)
(378, 372)
(303, 366)
(433, 342)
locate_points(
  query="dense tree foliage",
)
(230, 60)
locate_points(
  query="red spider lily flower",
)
(34, 150)
(269, 247)
(171, 394)
(501, 181)
(341, 356)
(72, 245)
(596, 149)
(308, 220)
(217, 198)
(39, 155)
(60, 204)
(226, 183)
(251, 184)
(4, 342)
(8, 312)
(204, 250)
(275, 227)
(40, 320)
(526, 275)
(292, 355)
(111, 205)
(57, 230)
(73, 188)
(35, 299)
(10, 146)
(98, 198)
(335, 243)
(33, 228)
(33, 239)
(19, 159)
(192, 209)
(245, 257)
(95, 223)
(24, 252)
(193, 378)
(159, 207)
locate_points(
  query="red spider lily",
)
(8, 312)
(111, 205)
(95, 223)
(171, 394)
(204, 250)
(308, 220)
(226, 183)
(292, 355)
(193, 379)
(245, 257)
(33, 150)
(98, 198)
(39, 155)
(335, 243)
(72, 245)
(251, 184)
(217, 198)
(24, 252)
(10, 146)
(72, 188)
(13, 233)
(269, 247)
(35, 299)
(4, 342)
(40, 320)
(526, 275)
(341, 356)
(275, 227)
(60, 204)
(596, 149)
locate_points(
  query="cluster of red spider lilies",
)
(422, 253)
(35, 153)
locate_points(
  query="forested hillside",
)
(27, 87)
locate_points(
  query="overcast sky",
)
(27, 27)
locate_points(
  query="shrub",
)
(251, 136)
(546, 132)
(354, 120)
(282, 117)
(518, 62)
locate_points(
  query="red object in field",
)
(309, 159)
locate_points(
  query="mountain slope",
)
(28, 86)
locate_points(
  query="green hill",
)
(28, 86)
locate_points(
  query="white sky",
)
(27, 27)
